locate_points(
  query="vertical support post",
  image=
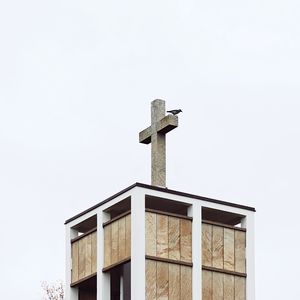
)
(248, 223)
(196, 212)
(71, 293)
(138, 264)
(158, 145)
(103, 279)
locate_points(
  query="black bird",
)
(174, 111)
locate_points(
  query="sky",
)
(76, 82)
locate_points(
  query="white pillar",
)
(103, 279)
(71, 293)
(248, 223)
(195, 212)
(138, 264)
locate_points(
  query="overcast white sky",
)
(76, 81)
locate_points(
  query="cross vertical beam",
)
(156, 135)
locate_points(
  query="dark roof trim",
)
(160, 189)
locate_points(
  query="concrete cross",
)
(156, 135)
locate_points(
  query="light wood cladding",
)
(117, 241)
(84, 257)
(166, 281)
(224, 256)
(168, 237)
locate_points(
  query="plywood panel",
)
(240, 288)
(207, 245)
(150, 234)
(174, 282)
(122, 239)
(218, 247)
(229, 249)
(81, 258)
(186, 240)
(94, 252)
(114, 242)
(206, 285)
(128, 236)
(88, 255)
(185, 283)
(162, 236)
(228, 287)
(107, 245)
(74, 261)
(217, 286)
(162, 282)
(174, 238)
(150, 280)
(240, 251)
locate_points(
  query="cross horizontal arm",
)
(167, 124)
(145, 136)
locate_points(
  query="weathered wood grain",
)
(88, 255)
(162, 236)
(81, 258)
(94, 252)
(74, 262)
(240, 288)
(186, 240)
(218, 287)
(114, 242)
(174, 282)
(128, 236)
(122, 239)
(162, 283)
(228, 287)
(174, 238)
(240, 251)
(185, 283)
(151, 280)
(150, 234)
(218, 247)
(107, 245)
(207, 291)
(229, 249)
(207, 245)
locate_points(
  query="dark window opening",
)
(119, 208)
(219, 216)
(120, 283)
(87, 290)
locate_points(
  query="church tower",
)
(148, 242)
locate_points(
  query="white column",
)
(138, 269)
(248, 223)
(195, 212)
(103, 279)
(71, 293)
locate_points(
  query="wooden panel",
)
(185, 283)
(88, 255)
(94, 252)
(114, 242)
(218, 247)
(81, 258)
(107, 245)
(218, 288)
(174, 238)
(186, 240)
(206, 285)
(150, 280)
(240, 251)
(174, 282)
(128, 236)
(228, 287)
(229, 249)
(74, 262)
(207, 245)
(240, 288)
(162, 282)
(150, 234)
(162, 236)
(122, 239)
